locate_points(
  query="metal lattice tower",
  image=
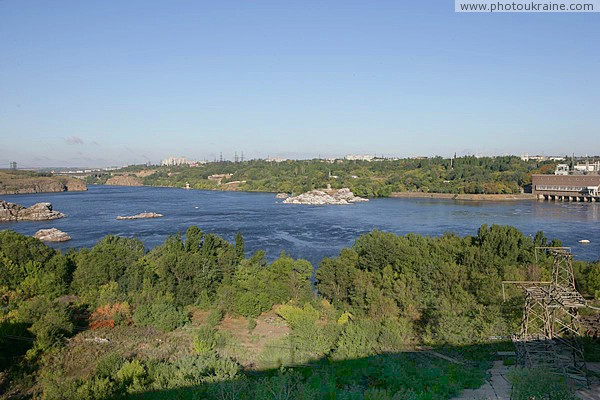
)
(550, 328)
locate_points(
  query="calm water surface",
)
(310, 232)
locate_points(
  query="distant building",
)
(359, 157)
(588, 167)
(219, 177)
(527, 157)
(566, 187)
(175, 161)
(276, 159)
(562, 169)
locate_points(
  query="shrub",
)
(251, 324)
(97, 388)
(108, 365)
(539, 383)
(50, 322)
(214, 317)
(133, 376)
(110, 315)
(163, 316)
(296, 316)
(395, 334)
(206, 341)
(358, 339)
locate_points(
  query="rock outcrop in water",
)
(11, 212)
(324, 197)
(51, 235)
(141, 216)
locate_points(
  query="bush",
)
(163, 316)
(251, 324)
(206, 341)
(358, 339)
(50, 322)
(108, 365)
(133, 376)
(214, 317)
(395, 335)
(539, 383)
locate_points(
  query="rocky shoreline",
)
(21, 183)
(325, 197)
(11, 212)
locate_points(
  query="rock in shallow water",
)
(141, 216)
(51, 235)
(324, 197)
(38, 212)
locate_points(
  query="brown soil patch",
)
(248, 345)
(145, 173)
(124, 180)
(199, 317)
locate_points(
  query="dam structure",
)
(578, 184)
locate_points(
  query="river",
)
(310, 232)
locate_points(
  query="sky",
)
(107, 83)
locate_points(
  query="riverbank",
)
(406, 195)
(28, 182)
(313, 232)
(465, 197)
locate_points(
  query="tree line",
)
(384, 294)
(458, 175)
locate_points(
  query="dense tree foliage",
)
(384, 294)
(469, 174)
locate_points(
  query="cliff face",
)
(21, 182)
(124, 180)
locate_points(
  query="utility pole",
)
(235, 157)
(221, 157)
(242, 156)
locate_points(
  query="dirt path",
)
(593, 392)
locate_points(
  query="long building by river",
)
(565, 185)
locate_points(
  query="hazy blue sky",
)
(95, 83)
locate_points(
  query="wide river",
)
(310, 232)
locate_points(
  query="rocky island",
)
(141, 216)
(26, 182)
(11, 212)
(51, 235)
(325, 197)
